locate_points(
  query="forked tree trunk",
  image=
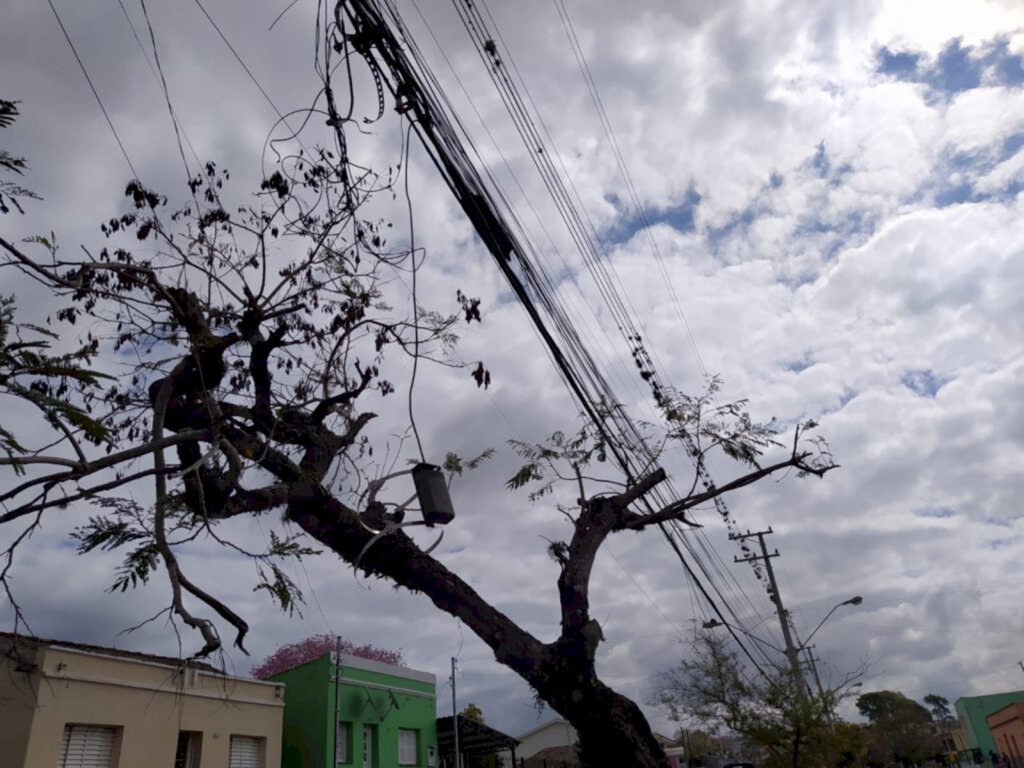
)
(612, 730)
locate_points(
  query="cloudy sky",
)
(831, 219)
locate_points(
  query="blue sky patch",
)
(955, 175)
(999, 543)
(798, 366)
(934, 511)
(957, 68)
(923, 382)
(1011, 145)
(819, 161)
(901, 65)
(679, 217)
(954, 194)
(848, 394)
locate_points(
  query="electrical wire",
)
(606, 282)
(415, 305)
(166, 91)
(95, 93)
(521, 270)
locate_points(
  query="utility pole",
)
(455, 717)
(337, 693)
(787, 634)
(817, 681)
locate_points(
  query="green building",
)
(379, 716)
(972, 711)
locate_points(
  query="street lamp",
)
(855, 600)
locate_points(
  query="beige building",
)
(1007, 726)
(68, 704)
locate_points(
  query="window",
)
(407, 747)
(187, 753)
(245, 752)
(343, 742)
(87, 746)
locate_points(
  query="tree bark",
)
(611, 728)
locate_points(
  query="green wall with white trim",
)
(381, 698)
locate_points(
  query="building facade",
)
(973, 712)
(1007, 727)
(553, 733)
(347, 711)
(70, 704)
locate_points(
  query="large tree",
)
(943, 718)
(767, 705)
(243, 346)
(902, 729)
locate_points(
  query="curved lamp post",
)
(855, 600)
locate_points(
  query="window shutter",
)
(87, 746)
(407, 747)
(244, 752)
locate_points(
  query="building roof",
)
(474, 737)
(23, 648)
(396, 670)
(991, 697)
(560, 756)
(555, 721)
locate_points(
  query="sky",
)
(831, 220)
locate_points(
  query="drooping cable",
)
(372, 36)
(594, 257)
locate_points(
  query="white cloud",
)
(830, 288)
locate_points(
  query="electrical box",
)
(432, 493)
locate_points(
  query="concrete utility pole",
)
(455, 717)
(792, 652)
(812, 660)
(337, 693)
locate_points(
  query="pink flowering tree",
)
(293, 654)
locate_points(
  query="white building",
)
(554, 733)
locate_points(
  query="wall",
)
(17, 708)
(382, 696)
(1007, 727)
(149, 703)
(307, 737)
(556, 733)
(972, 711)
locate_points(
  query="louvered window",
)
(87, 746)
(244, 752)
(343, 737)
(407, 747)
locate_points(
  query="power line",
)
(605, 278)
(514, 257)
(244, 66)
(606, 124)
(92, 87)
(163, 84)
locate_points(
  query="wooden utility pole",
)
(792, 652)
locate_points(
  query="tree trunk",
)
(612, 729)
